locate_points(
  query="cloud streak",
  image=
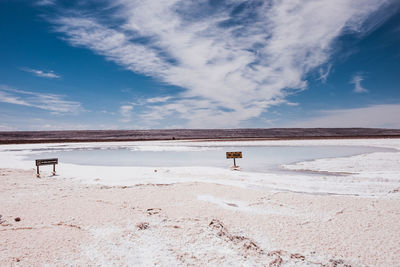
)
(357, 79)
(42, 74)
(50, 102)
(234, 59)
(323, 74)
(126, 113)
(46, 2)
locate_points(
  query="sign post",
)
(40, 162)
(234, 156)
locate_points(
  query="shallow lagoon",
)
(255, 158)
(169, 162)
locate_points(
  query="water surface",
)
(255, 159)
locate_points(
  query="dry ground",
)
(66, 223)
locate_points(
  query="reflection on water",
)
(255, 159)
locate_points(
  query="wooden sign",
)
(233, 155)
(40, 162)
(46, 161)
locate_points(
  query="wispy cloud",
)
(356, 80)
(380, 116)
(126, 113)
(45, 2)
(293, 104)
(43, 74)
(5, 127)
(107, 112)
(161, 99)
(51, 102)
(234, 59)
(324, 73)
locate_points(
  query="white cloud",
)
(11, 121)
(233, 62)
(379, 116)
(5, 127)
(41, 73)
(107, 112)
(158, 99)
(126, 113)
(45, 2)
(356, 80)
(293, 104)
(323, 74)
(51, 102)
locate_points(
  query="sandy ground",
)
(63, 222)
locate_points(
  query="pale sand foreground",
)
(67, 223)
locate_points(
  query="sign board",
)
(233, 155)
(46, 161)
(40, 162)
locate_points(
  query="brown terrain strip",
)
(24, 137)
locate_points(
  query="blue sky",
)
(127, 64)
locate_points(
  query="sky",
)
(158, 64)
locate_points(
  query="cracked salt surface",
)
(127, 246)
(269, 209)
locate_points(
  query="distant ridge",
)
(23, 137)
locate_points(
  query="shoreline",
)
(55, 141)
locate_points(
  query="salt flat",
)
(335, 211)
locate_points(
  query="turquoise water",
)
(255, 159)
